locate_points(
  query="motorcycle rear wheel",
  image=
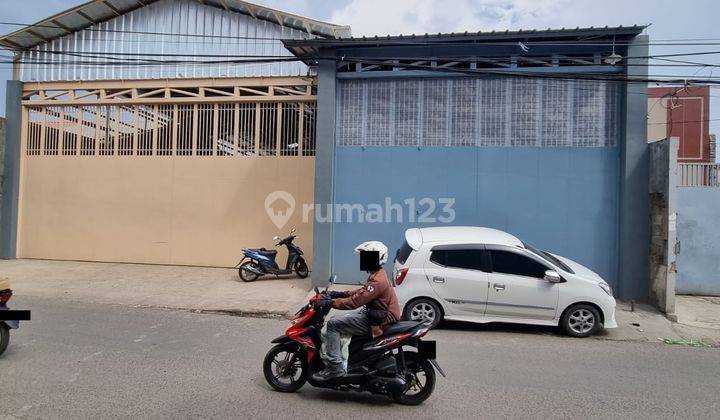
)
(4, 337)
(285, 368)
(420, 375)
(247, 275)
(301, 269)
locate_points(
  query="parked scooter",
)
(379, 365)
(6, 326)
(259, 262)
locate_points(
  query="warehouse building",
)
(533, 132)
(114, 156)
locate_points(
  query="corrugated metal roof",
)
(311, 46)
(130, 46)
(97, 11)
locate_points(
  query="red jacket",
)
(377, 293)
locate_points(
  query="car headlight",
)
(606, 288)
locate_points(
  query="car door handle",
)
(439, 279)
(499, 286)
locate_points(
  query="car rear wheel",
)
(424, 310)
(580, 320)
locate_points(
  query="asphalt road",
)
(99, 361)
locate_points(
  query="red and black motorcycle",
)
(379, 365)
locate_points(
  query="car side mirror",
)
(552, 276)
(276, 238)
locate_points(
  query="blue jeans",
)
(349, 324)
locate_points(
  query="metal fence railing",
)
(205, 129)
(699, 175)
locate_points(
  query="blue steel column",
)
(324, 171)
(634, 247)
(11, 177)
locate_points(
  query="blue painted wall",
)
(562, 199)
(697, 230)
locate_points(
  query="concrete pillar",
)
(634, 235)
(672, 191)
(11, 176)
(324, 171)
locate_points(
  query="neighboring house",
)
(153, 130)
(683, 112)
(523, 129)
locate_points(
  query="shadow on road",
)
(499, 327)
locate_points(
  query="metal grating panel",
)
(478, 112)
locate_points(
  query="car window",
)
(507, 262)
(403, 253)
(469, 259)
(549, 257)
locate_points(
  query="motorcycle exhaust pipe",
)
(253, 270)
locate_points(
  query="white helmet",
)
(374, 246)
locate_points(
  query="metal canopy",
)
(97, 11)
(312, 47)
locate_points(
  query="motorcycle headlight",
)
(606, 288)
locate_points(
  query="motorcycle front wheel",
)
(285, 368)
(420, 377)
(4, 337)
(246, 274)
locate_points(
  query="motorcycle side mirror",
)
(292, 231)
(276, 238)
(331, 280)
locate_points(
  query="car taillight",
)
(5, 296)
(401, 276)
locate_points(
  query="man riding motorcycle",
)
(381, 308)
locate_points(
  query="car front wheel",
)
(581, 320)
(423, 310)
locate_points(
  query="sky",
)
(668, 20)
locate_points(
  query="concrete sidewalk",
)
(646, 323)
(177, 287)
(698, 311)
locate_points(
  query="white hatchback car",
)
(484, 275)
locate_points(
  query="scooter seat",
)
(266, 252)
(401, 327)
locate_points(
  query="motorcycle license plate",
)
(427, 349)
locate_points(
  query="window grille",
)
(52, 130)
(166, 120)
(226, 130)
(289, 133)
(36, 120)
(268, 129)
(246, 128)
(70, 126)
(309, 118)
(220, 129)
(465, 111)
